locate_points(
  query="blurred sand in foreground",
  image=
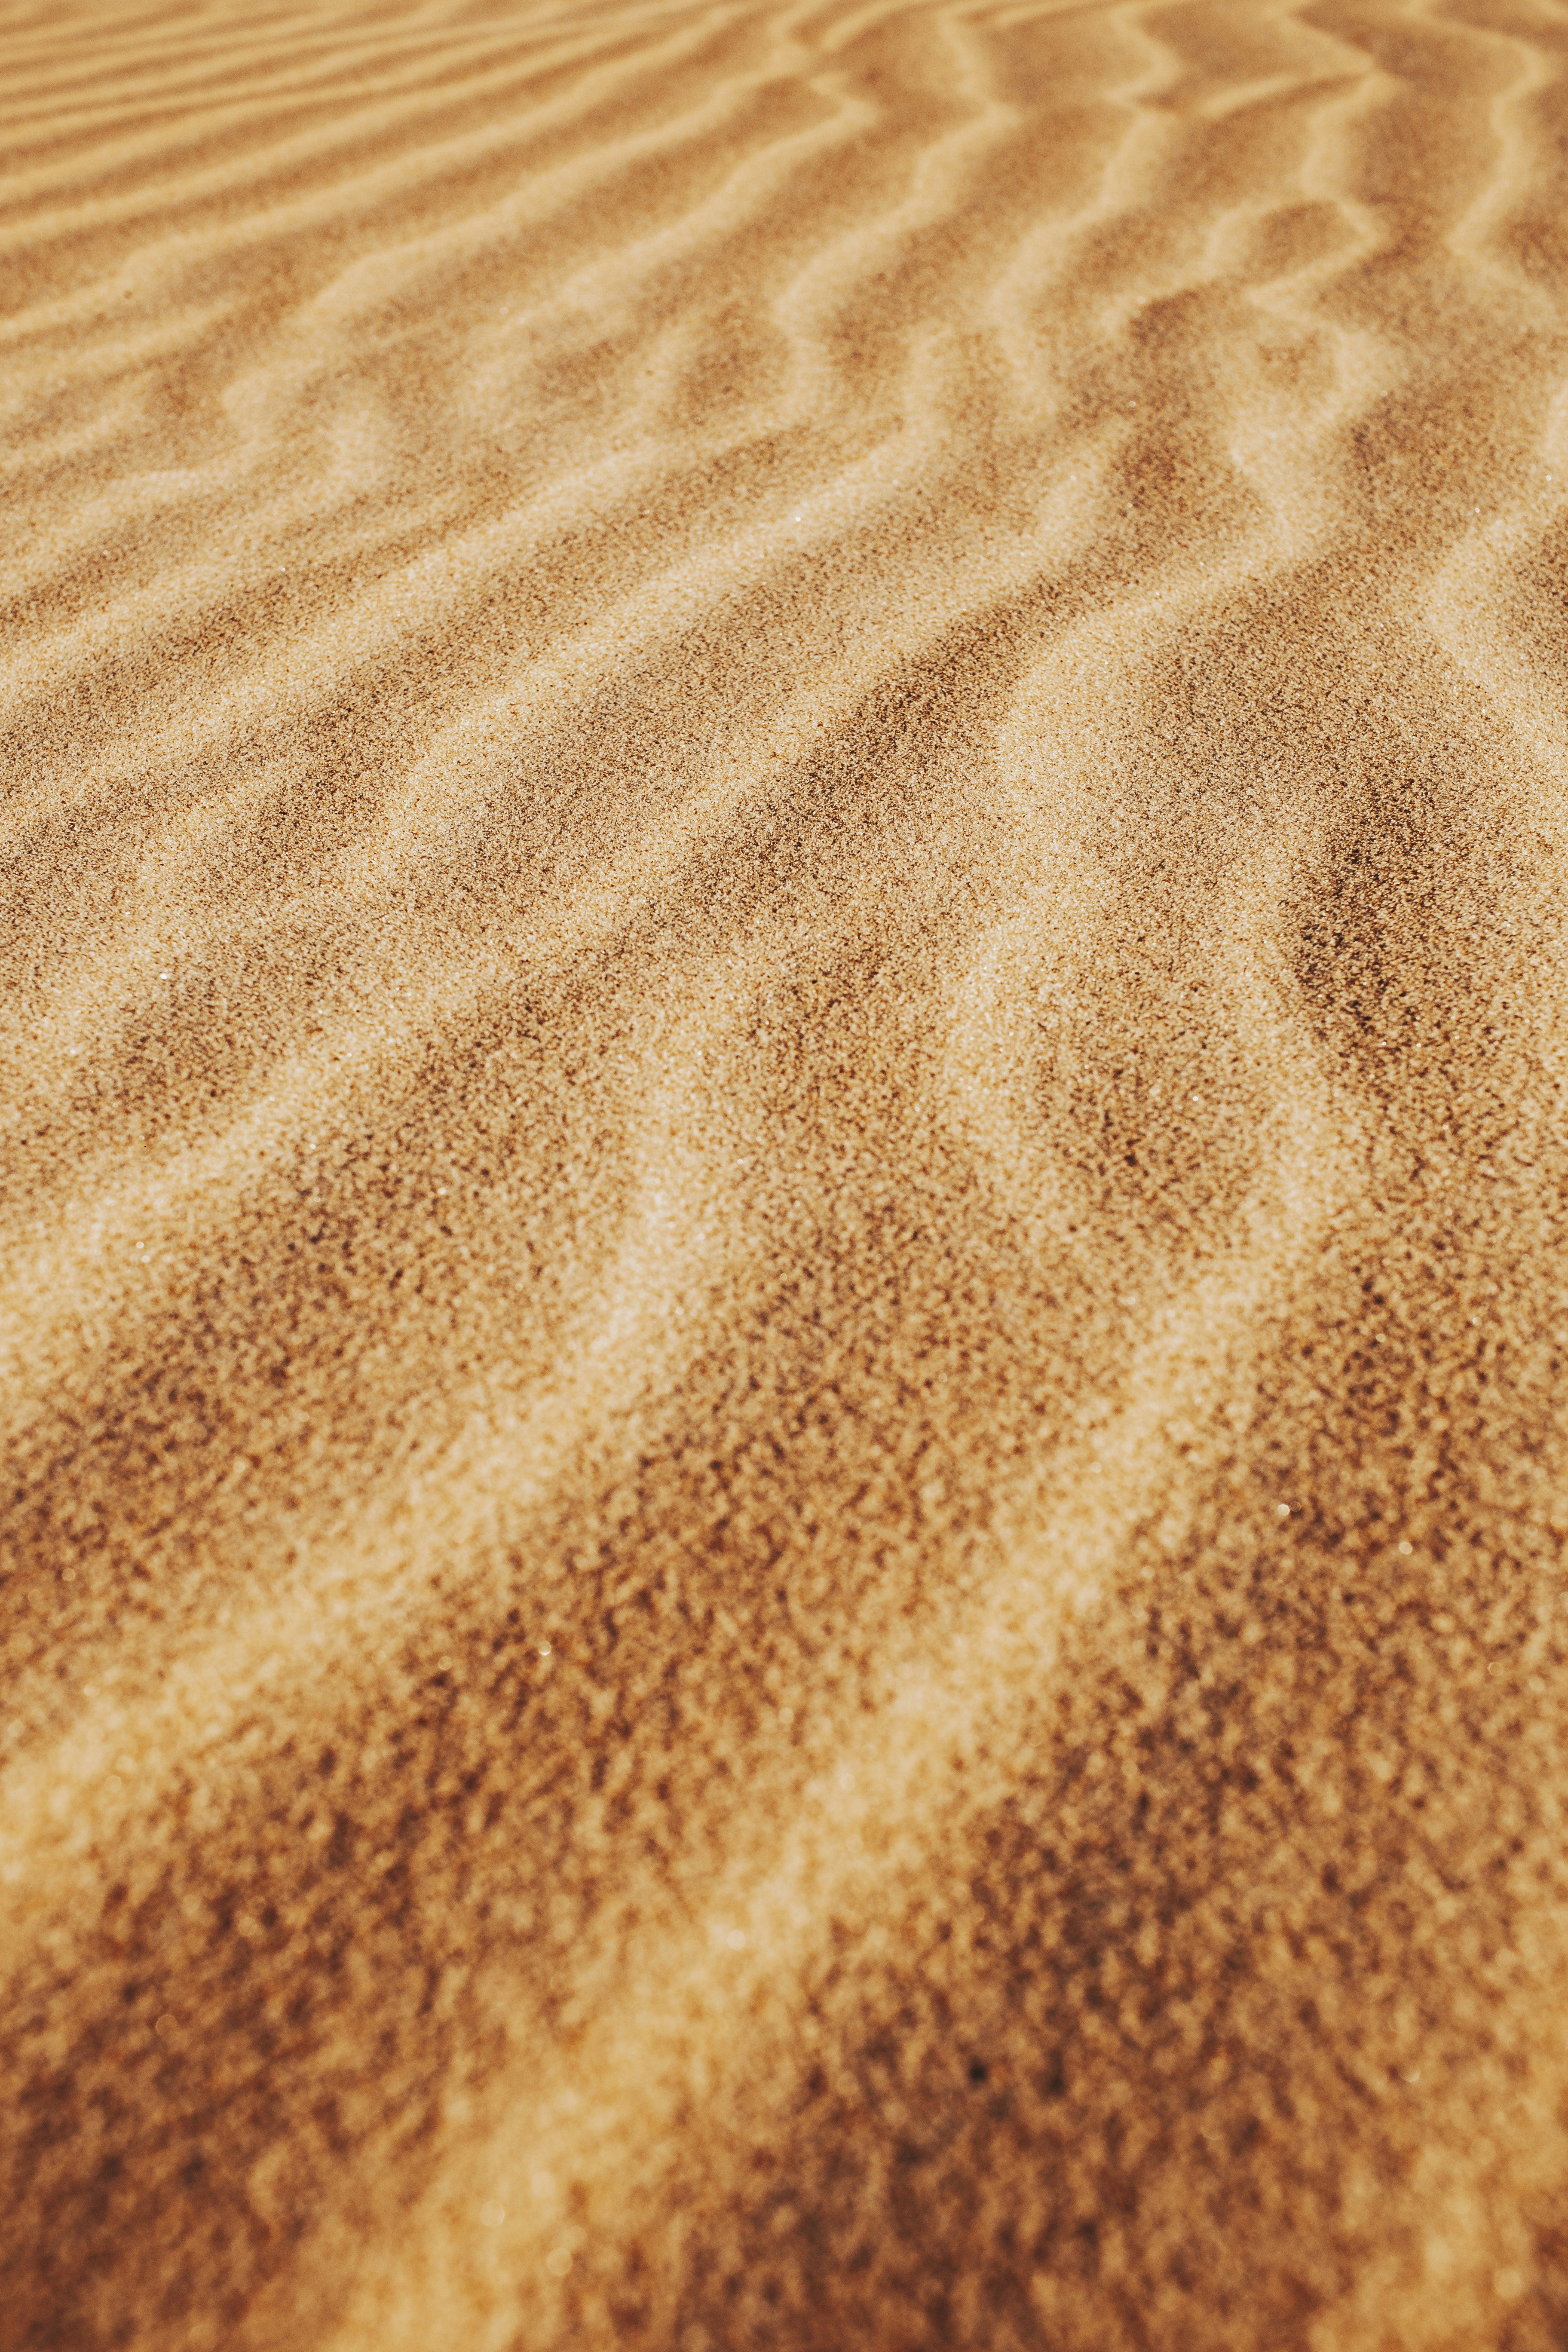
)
(782, 1266)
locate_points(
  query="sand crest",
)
(784, 1301)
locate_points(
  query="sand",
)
(784, 1285)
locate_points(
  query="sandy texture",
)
(784, 1299)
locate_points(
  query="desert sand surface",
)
(783, 1265)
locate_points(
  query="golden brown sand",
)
(784, 1292)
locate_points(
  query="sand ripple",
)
(784, 1305)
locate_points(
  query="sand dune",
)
(785, 1302)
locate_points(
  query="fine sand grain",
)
(784, 1296)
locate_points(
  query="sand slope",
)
(785, 1297)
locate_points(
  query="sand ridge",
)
(784, 1304)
